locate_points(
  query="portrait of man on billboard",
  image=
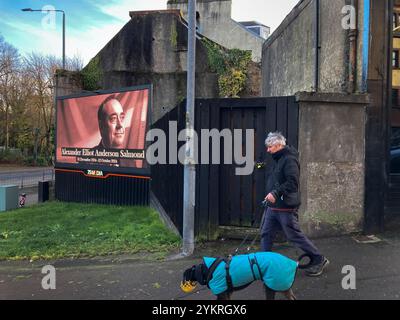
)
(111, 118)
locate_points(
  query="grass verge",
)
(63, 230)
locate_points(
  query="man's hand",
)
(270, 198)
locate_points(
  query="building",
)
(395, 116)
(257, 28)
(214, 22)
(343, 55)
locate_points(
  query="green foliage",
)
(11, 156)
(15, 156)
(231, 67)
(41, 161)
(92, 75)
(232, 83)
(59, 230)
(216, 57)
(24, 140)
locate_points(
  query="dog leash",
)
(264, 204)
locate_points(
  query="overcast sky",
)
(90, 24)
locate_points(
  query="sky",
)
(90, 24)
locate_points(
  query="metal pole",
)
(63, 40)
(189, 174)
(317, 45)
(365, 41)
(352, 35)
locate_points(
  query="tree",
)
(75, 63)
(27, 97)
(40, 69)
(9, 68)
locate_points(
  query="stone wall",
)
(68, 82)
(332, 151)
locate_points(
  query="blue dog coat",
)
(275, 270)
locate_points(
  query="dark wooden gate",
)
(223, 198)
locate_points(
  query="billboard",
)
(105, 130)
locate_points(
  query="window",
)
(395, 150)
(396, 18)
(396, 59)
(395, 98)
(255, 30)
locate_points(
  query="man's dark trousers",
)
(288, 222)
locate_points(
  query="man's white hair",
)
(275, 138)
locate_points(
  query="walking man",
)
(283, 197)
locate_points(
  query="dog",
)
(223, 276)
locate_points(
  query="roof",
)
(146, 12)
(186, 1)
(252, 23)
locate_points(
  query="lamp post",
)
(189, 171)
(63, 38)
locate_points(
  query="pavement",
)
(142, 277)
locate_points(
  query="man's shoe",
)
(317, 269)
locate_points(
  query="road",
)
(25, 177)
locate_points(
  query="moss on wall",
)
(174, 36)
(331, 223)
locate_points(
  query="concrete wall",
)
(215, 23)
(288, 56)
(152, 48)
(68, 82)
(332, 149)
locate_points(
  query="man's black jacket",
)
(283, 180)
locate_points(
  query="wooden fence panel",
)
(223, 198)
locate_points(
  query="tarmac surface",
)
(25, 176)
(141, 277)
